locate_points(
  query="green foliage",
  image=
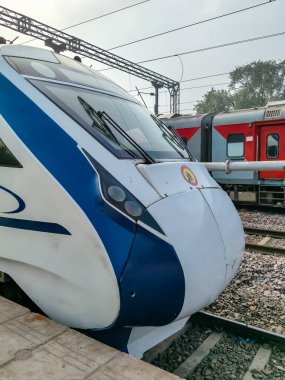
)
(251, 85)
(215, 101)
(257, 83)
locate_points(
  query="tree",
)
(252, 85)
(215, 101)
(255, 84)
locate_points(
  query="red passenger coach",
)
(244, 135)
(195, 132)
(272, 146)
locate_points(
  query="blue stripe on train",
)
(33, 225)
(21, 203)
(153, 285)
(59, 154)
(153, 271)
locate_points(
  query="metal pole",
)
(156, 100)
(230, 166)
(176, 99)
(156, 86)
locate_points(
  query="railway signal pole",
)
(60, 41)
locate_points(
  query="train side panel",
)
(271, 135)
(256, 134)
(234, 138)
(251, 135)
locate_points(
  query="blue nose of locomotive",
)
(172, 275)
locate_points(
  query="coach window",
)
(6, 157)
(272, 146)
(235, 145)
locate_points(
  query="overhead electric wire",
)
(168, 105)
(107, 14)
(206, 76)
(196, 87)
(193, 88)
(186, 80)
(191, 101)
(141, 89)
(187, 109)
(96, 18)
(209, 48)
(193, 24)
(213, 47)
(206, 85)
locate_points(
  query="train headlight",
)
(116, 193)
(133, 208)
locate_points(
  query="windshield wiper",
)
(173, 138)
(106, 118)
(97, 123)
(101, 120)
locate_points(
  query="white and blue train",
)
(106, 221)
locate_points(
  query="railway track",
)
(203, 362)
(266, 237)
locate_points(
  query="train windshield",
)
(67, 82)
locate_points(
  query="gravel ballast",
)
(262, 219)
(257, 294)
(228, 360)
(182, 348)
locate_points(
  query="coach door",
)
(272, 147)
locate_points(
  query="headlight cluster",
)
(116, 194)
(120, 198)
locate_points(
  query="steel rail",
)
(265, 249)
(240, 329)
(262, 248)
(205, 319)
(264, 232)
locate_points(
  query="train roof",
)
(28, 52)
(239, 116)
(39, 58)
(184, 121)
(272, 110)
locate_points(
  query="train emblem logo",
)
(189, 176)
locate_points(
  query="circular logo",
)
(189, 176)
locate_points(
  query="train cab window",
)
(235, 145)
(6, 157)
(272, 146)
(130, 116)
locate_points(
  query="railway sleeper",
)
(263, 342)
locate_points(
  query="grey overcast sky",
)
(156, 16)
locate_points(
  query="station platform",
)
(34, 347)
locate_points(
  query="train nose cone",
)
(206, 234)
(230, 228)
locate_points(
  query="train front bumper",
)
(172, 275)
(203, 226)
(206, 233)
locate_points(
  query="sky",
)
(157, 16)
